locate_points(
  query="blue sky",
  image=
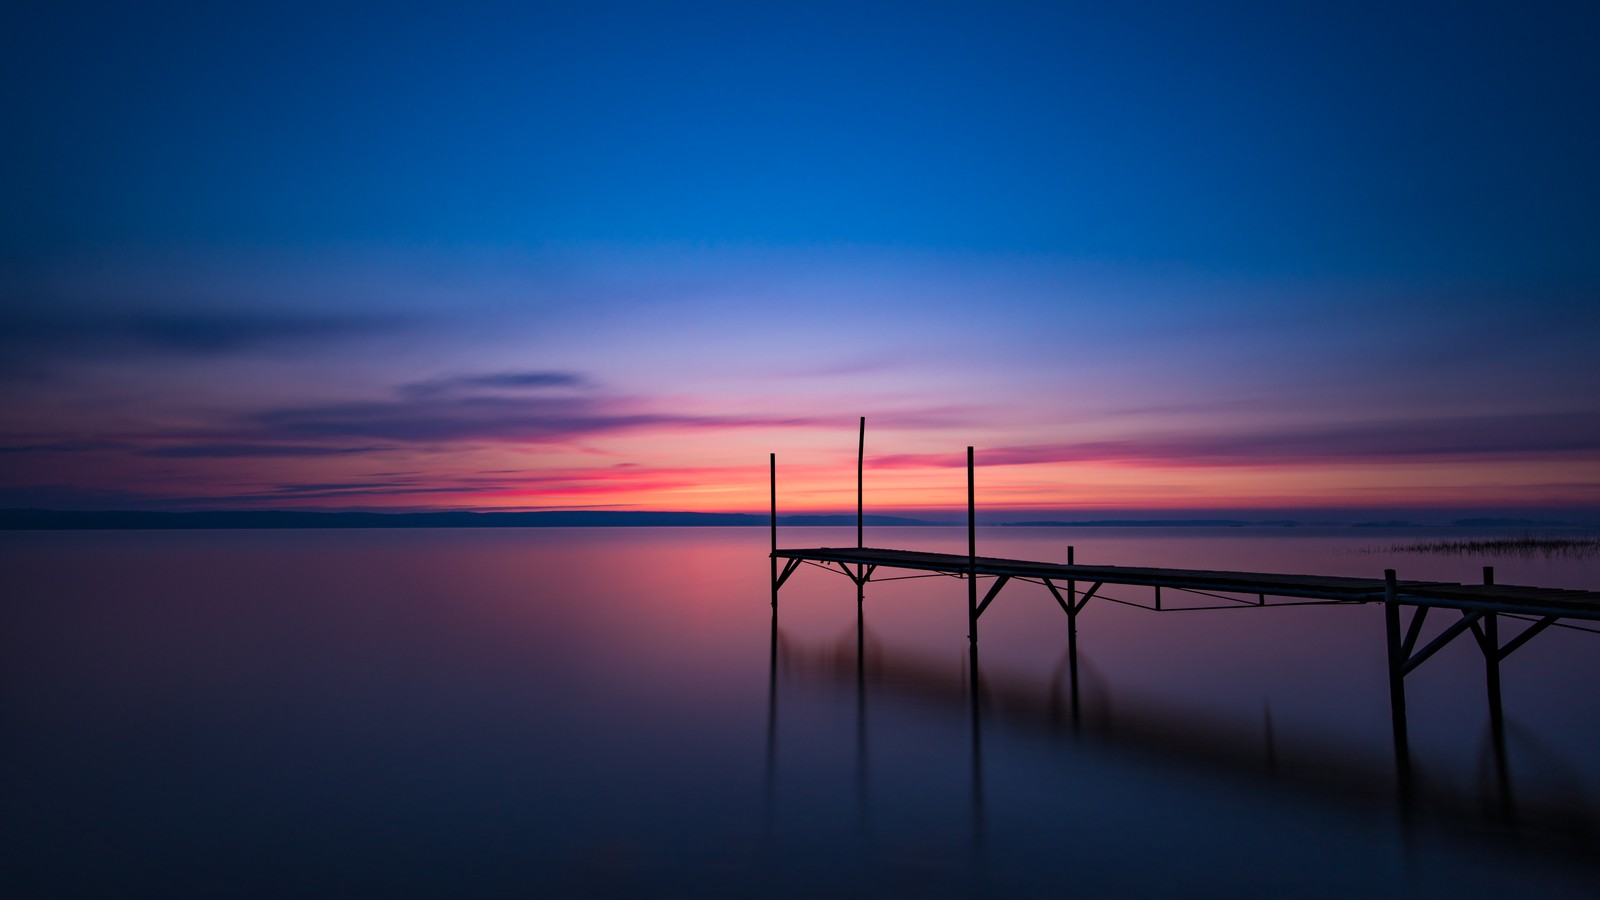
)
(665, 235)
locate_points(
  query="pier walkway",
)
(1481, 607)
(863, 562)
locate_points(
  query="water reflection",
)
(582, 713)
(1310, 768)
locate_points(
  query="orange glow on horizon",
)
(729, 474)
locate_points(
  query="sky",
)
(1147, 258)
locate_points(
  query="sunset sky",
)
(1145, 257)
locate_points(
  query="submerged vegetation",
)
(1525, 546)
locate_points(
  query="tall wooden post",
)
(861, 568)
(772, 472)
(861, 453)
(972, 554)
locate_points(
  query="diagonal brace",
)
(1071, 608)
(788, 569)
(1525, 636)
(1414, 631)
(994, 589)
(1468, 620)
(1062, 601)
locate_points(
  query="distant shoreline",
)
(139, 520)
(132, 520)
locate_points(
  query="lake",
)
(613, 712)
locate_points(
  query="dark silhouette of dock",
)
(1482, 608)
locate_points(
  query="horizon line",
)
(25, 519)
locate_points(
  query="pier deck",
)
(1501, 598)
(1481, 606)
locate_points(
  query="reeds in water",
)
(1524, 546)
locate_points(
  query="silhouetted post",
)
(1397, 685)
(772, 472)
(1072, 635)
(1491, 662)
(972, 556)
(861, 568)
(861, 454)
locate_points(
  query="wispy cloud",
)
(1479, 436)
(510, 381)
(63, 447)
(43, 335)
(250, 451)
(450, 412)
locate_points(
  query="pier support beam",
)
(1484, 624)
(1071, 605)
(1403, 657)
(1397, 685)
(1490, 644)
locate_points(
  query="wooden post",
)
(772, 473)
(861, 568)
(1491, 662)
(1397, 683)
(972, 555)
(861, 452)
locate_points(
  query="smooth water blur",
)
(609, 712)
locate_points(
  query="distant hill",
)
(1516, 523)
(846, 520)
(1161, 523)
(131, 520)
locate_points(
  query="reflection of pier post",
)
(977, 748)
(861, 720)
(772, 721)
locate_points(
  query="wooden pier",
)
(1482, 608)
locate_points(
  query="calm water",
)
(607, 712)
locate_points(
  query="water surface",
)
(610, 712)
